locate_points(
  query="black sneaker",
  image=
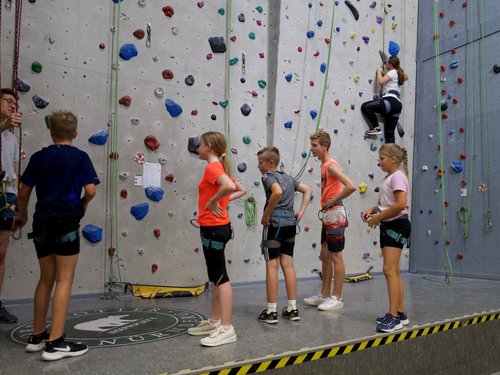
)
(61, 348)
(270, 318)
(291, 315)
(37, 342)
(7, 317)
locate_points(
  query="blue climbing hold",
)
(242, 167)
(22, 86)
(288, 124)
(313, 113)
(289, 77)
(245, 109)
(309, 5)
(92, 233)
(337, 29)
(393, 48)
(457, 166)
(173, 108)
(310, 34)
(322, 68)
(127, 51)
(155, 193)
(100, 138)
(193, 144)
(139, 211)
(319, 23)
(303, 154)
(454, 64)
(39, 102)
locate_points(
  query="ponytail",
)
(226, 162)
(402, 76)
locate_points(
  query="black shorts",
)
(214, 239)
(336, 243)
(401, 226)
(47, 235)
(7, 211)
(273, 246)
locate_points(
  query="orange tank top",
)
(330, 186)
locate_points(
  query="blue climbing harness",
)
(279, 214)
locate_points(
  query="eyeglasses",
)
(9, 101)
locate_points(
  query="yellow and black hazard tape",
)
(313, 354)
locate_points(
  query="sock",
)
(292, 305)
(271, 307)
(212, 321)
(227, 328)
(400, 313)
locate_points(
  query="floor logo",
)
(103, 328)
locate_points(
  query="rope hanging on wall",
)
(323, 94)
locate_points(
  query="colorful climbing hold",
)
(128, 51)
(39, 102)
(173, 108)
(262, 83)
(168, 11)
(92, 233)
(151, 142)
(125, 100)
(245, 109)
(139, 34)
(99, 138)
(36, 67)
(139, 211)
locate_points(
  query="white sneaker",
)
(315, 300)
(203, 328)
(331, 303)
(373, 131)
(219, 337)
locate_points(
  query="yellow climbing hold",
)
(373, 30)
(368, 230)
(352, 35)
(394, 25)
(345, 109)
(356, 78)
(362, 188)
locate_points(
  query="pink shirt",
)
(392, 183)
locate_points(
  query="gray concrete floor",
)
(426, 301)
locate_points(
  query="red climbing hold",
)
(460, 255)
(464, 5)
(441, 14)
(455, 101)
(194, 112)
(168, 10)
(463, 156)
(316, 54)
(444, 92)
(151, 142)
(311, 83)
(156, 232)
(299, 49)
(327, 40)
(125, 101)
(154, 267)
(167, 74)
(460, 79)
(251, 200)
(139, 34)
(443, 68)
(102, 46)
(446, 203)
(463, 183)
(306, 229)
(436, 36)
(452, 23)
(336, 101)
(233, 39)
(444, 116)
(461, 130)
(448, 242)
(123, 193)
(169, 177)
(114, 155)
(453, 51)
(111, 251)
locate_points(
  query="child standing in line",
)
(335, 186)
(59, 173)
(278, 235)
(391, 213)
(216, 189)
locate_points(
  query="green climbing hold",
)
(240, 216)
(262, 84)
(251, 35)
(221, 11)
(247, 139)
(269, 114)
(259, 9)
(36, 67)
(233, 61)
(223, 103)
(256, 183)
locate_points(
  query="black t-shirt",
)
(58, 173)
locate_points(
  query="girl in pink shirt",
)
(395, 228)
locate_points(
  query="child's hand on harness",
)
(20, 221)
(265, 220)
(298, 216)
(214, 207)
(373, 220)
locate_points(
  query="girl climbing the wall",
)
(216, 189)
(389, 105)
(391, 213)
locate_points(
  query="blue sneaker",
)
(389, 324)
(403, 318)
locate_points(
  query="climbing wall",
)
(146, 79)
(455, 179)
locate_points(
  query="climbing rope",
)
(484, 123)
(250, 211)
(323, 94)
(447, 266)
